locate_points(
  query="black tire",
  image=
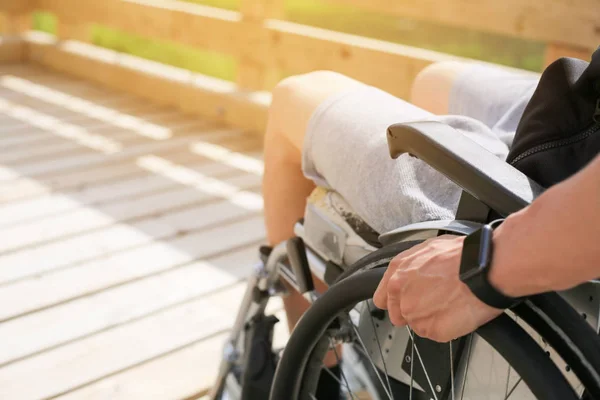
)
(568, 333)
(379, 258)
(548, 314)
(539, 373)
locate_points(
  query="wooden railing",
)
(265, 45)
(567, 27)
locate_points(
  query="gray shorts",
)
(345, 148)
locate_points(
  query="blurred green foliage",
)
(492, 48)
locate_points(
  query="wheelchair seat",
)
(335, 231)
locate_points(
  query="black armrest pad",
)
(472, 167)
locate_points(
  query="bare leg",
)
(285, 188)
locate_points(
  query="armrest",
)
(469, 165)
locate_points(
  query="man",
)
(329, 130)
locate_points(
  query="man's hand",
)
(421, 288)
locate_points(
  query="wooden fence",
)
(265, 45)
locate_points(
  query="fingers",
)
(421, 288)
(396, 288)
(380, 297)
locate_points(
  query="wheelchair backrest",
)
(559, 132)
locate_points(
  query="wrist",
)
(515, 270)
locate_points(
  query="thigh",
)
(490, 93)
(345, 149)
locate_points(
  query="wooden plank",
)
(382, 64)
(89, 160)
(17, 21)
(32, 136)
(85, 219)
(14, 127)
(137, 186)
(39, 152)
(212, 98)
(251, 74)
(169, 376)
(12, 49)
(75, 140)
(119, 115)
(543, 20)
(126, 105)
(15, 7)
(21, 188)
(71, 181)
(31, 112)
(116, 269)
(191, 24)
(73, 30)
(109, 98)
(87, 360)
(85, 247)
(122, 304)
(70, 85)
(81, 118)
(74, 182)
(386, 65)
(554, 51)
(86, 107)
(21, 139)
(178, 375)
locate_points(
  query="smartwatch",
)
(475, 267)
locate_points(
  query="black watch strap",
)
(482, 288)
(475, 267)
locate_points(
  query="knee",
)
(305, 88)
(431, 89)
(285, 94)
(295, 98)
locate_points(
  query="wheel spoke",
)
(513, 388)
(412, 364)
(389, 394)
(387, 377)
(421, 362)
(507, 382)
(464, 382)
(451, 371)
(338, 380)
(339, 363)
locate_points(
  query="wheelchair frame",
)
(488, 184)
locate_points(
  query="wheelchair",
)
(547, 347)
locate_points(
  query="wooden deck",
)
(126, 230)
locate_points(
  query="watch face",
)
(470, 259)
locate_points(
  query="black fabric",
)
(559, 132)
(328, 387)
(260, 361)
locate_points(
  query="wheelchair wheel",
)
(517, 369)
(553, 321)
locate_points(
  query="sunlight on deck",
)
(202, 182)
(87, 108)
(56, 127)
(126, 232)
(226, 156)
